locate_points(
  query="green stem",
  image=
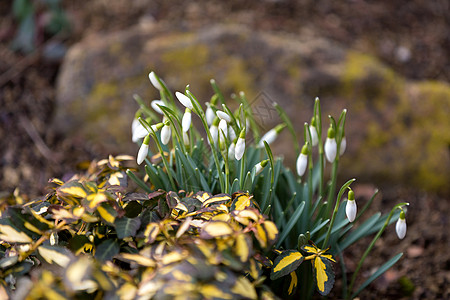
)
(369, 248)
(332, 185)
(242, 173)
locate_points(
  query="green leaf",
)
(378, 272)
(359, 232)
(107, 250)
(285, 263)
(126, 227)
(139, 181)
(133, 209)
(292, 221)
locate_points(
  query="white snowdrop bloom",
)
(330, 149)
(154, 104)
(269, 137)
(260, 166)
(185, 138)
(223, 127)
(314, 135)
(185, 100)
(214, 131)
(351, 209)
(231, 151)
(223, 116)
(240, 147)
(302, 162)
(137, 131)
(186, 122)
(143, 151)
(166, 133)
(154, 81)
(210, 115)
(343, 146)
(400, 226)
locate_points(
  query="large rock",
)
(396, 130)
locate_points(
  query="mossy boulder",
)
(397, 130)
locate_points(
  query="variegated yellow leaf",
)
(293, 283)
(215, 229)
(11, 235)
(244, 289)
(323, 275)
(286, 263)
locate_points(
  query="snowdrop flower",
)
(350, 208)
(214, 131)
(137, 131)
(330, 145)
(400, 226)
(240, 145)
(231, 133)
(271, 135)
(154, 81)
(166, 133)
(260, 166)
(343, 145)
(186, 122)
(313, 130)
(302, 160)
(223, 127)
(232, 151)
(210, 115)
(154, 104)
(185, 100)
(223, 116)
(143, 151)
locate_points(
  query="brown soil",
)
(411, 36)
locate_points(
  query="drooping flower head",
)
(154, 80)
(400, 226)
(143, 150)
(302, 160)
(330, 145)
(351, 208)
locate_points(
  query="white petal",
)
(185, 100)
(231, 133)
(154, 104)
(350, 210)
(231, 151)
(314, 136)
(400, 228)
(343, 146)
(330, 149)
(302, 162)
(166, 133)
(142, 154)
(155, 81)
(240, 148)
(269, 137)
(223, 127)
(258, 168)
(214, 133)
(223, 116)
(210, 115)
(139, 133)
(186, 122)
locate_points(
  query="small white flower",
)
(240, 148)
(260, 166)
(185, 100)
(185, 138)
(214, 131)
(350, 210)
(302, 162)
(154, 104)
(314, 135)
(400, 226)
(154, 81)
(231, 151)
(186, 122)
(330, 149)
(210, 115)
(143, 151)
(343, 146)
(137, 131)
(231, 133)
(166, 133)
(223, 127)
(269, 137)
(223, 116)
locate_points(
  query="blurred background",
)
(68, 70)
